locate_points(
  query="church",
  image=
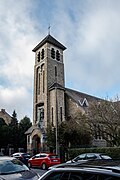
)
(52, 102)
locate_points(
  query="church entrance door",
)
(36, 144)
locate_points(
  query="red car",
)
(43, 160)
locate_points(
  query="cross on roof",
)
(49, 29)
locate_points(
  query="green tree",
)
(13, 131)
(50, 138)
(24, 125)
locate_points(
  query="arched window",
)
(53, 53)
(55, 71)
(39, 83)
(40, 116)
(52, 117)
(57, 55)
(43, 81)
(38, 80)
(42, 54)
(38, 56)
(61, 114)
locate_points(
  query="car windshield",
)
(11, 166)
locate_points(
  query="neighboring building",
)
(53, 102)
(5, 116)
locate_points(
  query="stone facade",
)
(53, 103)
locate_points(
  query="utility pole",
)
(56, 133)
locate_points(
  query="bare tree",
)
(103, 119)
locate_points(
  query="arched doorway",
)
(36, 144)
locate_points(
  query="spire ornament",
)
(49, 29)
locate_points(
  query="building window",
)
(57, 55)
(40, 116)
(61, 114)
(38, 56)
(28, 139)
(52, 117)
(53, 53)
(38, 83)
(42, 54)
(38, 80)
(43, 81)
(55, 71)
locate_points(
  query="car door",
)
(35, 159)
(42, 158)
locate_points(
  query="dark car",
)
(13, 169)
(22, 157)
(82, 173)
(90, 156)
(63, 165)
(44, 160)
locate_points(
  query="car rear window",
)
(26, 155)
(53, 156)
(105, 157)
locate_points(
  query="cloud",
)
(94, 55)
(17, 99)
(16, 57)
(90, 31)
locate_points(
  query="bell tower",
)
(48, 103)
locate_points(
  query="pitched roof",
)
(5, 116)
(80, 97)
(51, 40)
(31, 129)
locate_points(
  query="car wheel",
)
(29, 165)
(43, 166)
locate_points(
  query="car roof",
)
(46, 154)
(93, 153)
(19, 153)
(91, 163)
(102, 170)
(4, 158)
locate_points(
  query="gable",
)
(5, 116)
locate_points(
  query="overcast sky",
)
(90, 29)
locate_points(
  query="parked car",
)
(89, 156)
(13, 169)
(22, 157)
(93, 162)
(43, 160)
(82, 173)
